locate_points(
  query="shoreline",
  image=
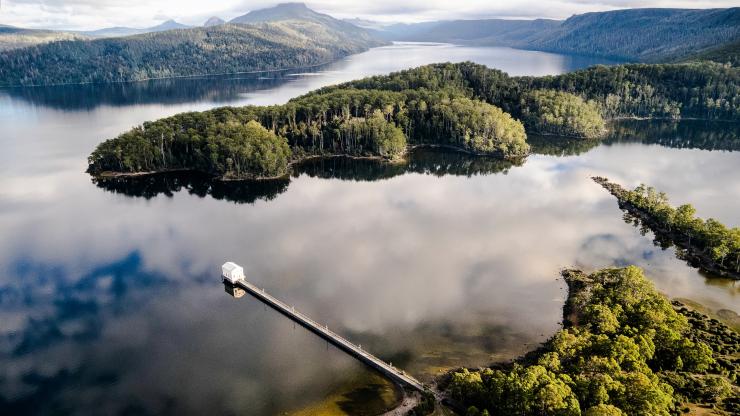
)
(693, 256)
(577, 282)
(402, 158)
(217, 74)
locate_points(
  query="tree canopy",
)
(230, 48)
(465, 106)
(714, 246)
(622, 352)
(562, 114)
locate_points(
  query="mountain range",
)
(287, 36)
(128, 31)
(213, 21)
(646, 35)
(292, 35)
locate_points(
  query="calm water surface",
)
(109, 294)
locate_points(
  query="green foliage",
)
(641, 34)
(523, 390)
(603, 410)
(562, 114)
(14, 37)
(726, 54)
(710, 241)
(197, 51)
(425, 405)
(465, 106)
(697, 90)
(330, 122)
(608, 364)
(384, 137)
(473, 125)
(231, 150)
(634, 34)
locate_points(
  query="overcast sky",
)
(93, 14)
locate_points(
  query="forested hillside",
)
(289, 12)
(703, 90)
(477, 32)
(728, 53)
(120, 31)
(645, 35)
(218, 49)
(15, 38)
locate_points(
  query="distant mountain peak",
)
(168, 25)
(283, 11)
(291, 5)
(214, 21)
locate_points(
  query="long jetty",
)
(386, 369)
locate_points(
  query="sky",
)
(94, 14)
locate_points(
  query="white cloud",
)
(91, 14)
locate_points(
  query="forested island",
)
(464, 106)
(709, 245)
(624, 350)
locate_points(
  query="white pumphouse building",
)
(232, 272)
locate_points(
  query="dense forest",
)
(562, 114)
(14, 37)
(728, 53)
(703, 90)
(349, 122)
(643, 35)
(624, 350)
(211, 50)
(465, 106)
(710, 244)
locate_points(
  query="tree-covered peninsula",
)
(464, 106)
(709, 245)
(230, 48)
(360, 123)
(624, 350)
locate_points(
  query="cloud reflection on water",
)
(111, 303)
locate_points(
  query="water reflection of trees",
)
(686, 134)
(168, 184)
(225, 88)
(425, 161)
(560, 146)
(664, 241)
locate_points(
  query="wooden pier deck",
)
(394, 374)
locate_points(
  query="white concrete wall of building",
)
(232, 272)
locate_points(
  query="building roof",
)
(230, 266)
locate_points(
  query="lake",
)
(110, 293)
